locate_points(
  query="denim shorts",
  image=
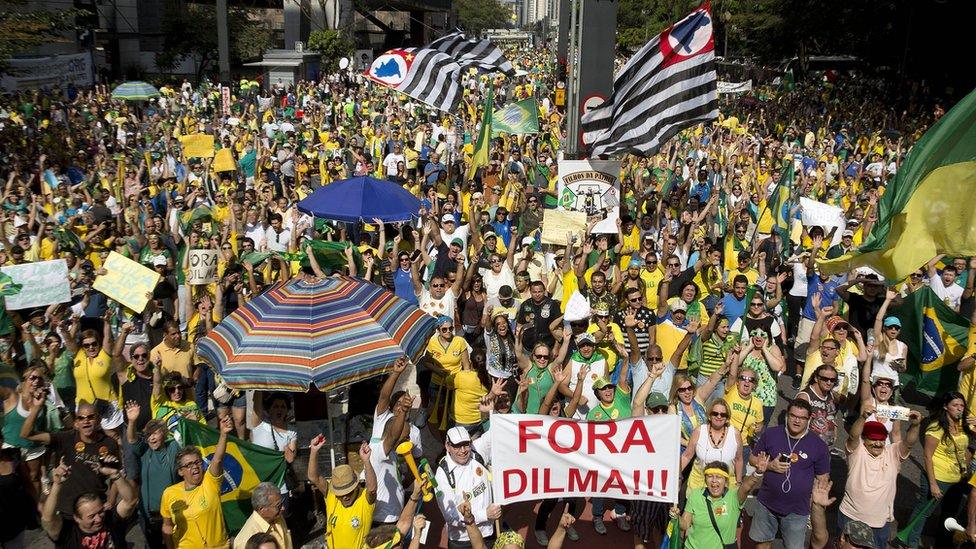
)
(765, 525)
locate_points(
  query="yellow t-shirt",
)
(949, 459)
(651, 281)
(751, 275)
(93, 377)
(668, 338)
(606, 346)
(449, 358)
(746, 412)
(966, 379)
(632, 242)
(468, 391)
(197, 516)
(174, 359)
(348, 526)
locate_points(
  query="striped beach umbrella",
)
(329, 333)
(136, 90)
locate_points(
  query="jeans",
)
(767, 415)
(951, 496)
(204, 388)
(599, 506)
(765, 525)
(881, 535)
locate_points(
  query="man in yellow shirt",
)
(348, 507)
(192, 514)
(173, 354)
(266, 517)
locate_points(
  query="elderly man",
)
(462, 476)
(266, 517)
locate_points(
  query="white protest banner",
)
(734, 87)
(818, 214)
(535, 457)
(203, 267)
(43, 283)
(556, 224)
(47, 72)
(593, 187)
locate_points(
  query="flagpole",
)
(573, 89)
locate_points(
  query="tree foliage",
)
(191, 32)
(476, 16)
(22, 29)
(332, 45)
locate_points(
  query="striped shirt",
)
(713, 356)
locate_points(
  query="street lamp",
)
(726, 17)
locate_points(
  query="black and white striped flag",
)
(432, 74)
(667, 86)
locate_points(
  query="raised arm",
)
(216, 467)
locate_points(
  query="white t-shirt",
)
(799, 288)
(598, 368)
(951, 295)
(494, 281)
(391, 161)
(266, 436)
(389, 488)
(437, 307)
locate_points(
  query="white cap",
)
(159, 261)
(458, 435)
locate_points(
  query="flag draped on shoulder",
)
(922, 213)
(667, 86)
(481, 147)
(936, 337)
(245, 466)
(432, 74)
(779, 203)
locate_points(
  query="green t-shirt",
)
(540, 380)
(618, 409)
(702, 534)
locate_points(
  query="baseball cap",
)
(601, 382)
(448, 218)
(655, 400)
(489, 234)
(160, 261)
(874, 430)
(676, 304)
(847, 233)
(458, 435)
(585, 338)
(892, 321)
(458, 241)
(635, 262)
(858, 533)
(528, 241)
(344, 480)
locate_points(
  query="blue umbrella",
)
(134, 91)
(361, 199)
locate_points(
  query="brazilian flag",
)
(926, 210)
(519, 118)
(245, 466)
(936, 337)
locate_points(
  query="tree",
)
(332, 45)
(476, 16)
(190, 31)
(22, 29)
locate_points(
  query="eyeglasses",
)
(137, 356)
(634, 300)
(719, 414)
(828, 348)
(747, 379)
(801, 418)
(828, 379)
(687, 389)
(194, 464)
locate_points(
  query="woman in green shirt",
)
(712, 515)
(537, 368)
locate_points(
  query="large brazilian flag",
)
(928, 209)
(936, 337)
(519, 118)
(245, 466)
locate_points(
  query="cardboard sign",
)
(126, 281)
(224, 161)
(818, 214)
(202, 267)
(591, 187)
(556, 224)
(198, 145)
(535, 457)
(43, 283)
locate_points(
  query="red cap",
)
(874, 430)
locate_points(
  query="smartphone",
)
(423, 533)
(415, 255)
(784, 458)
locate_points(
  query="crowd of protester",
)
(698, 308)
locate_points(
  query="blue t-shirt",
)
(827, 290)
(403, 286)
(734, 308)
(809, 457)
(432, 170)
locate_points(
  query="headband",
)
(716, 471)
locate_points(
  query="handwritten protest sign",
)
(592, 187)
(198, 145)
(43, 283)
(126, 281)
(535, 457)
(556, 224)
(818, 214)
(203, 266)
(224, 161)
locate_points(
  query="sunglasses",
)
(89, 345)
(659, 410)
(542, 357)
(896, 328)
(747, 379)
(719, 414)
(756, 304)
(197, 463)
(137, 356)
(447, 329)
(90, 417)
(674, 264)
(437, 285)
(883, 384)
(225, 248)
(828, 379)
(685, 389)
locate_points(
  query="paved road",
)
(522, 516)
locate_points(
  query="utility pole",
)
(223, 43)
